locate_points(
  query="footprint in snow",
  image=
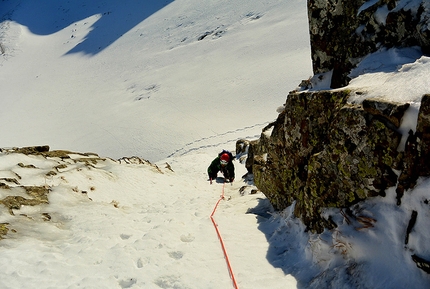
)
(125, 236)
(187, 238)
(168, 281)
(176, 255)
(127, 283)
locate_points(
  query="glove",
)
(231, 180)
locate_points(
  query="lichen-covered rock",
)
(279, 159)
(344, 31)
(4, 229)
(28, 150)
(393, 112)
(324, 152)
(356, 164)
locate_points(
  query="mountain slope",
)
(71, 89)
(175, 83)
(127, 224)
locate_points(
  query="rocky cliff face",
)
(324, 152)
(343, 31)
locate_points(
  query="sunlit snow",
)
(175, 82)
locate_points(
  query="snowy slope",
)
(109, 76)
(118, 225)
(123, 78)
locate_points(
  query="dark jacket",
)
(215, 167)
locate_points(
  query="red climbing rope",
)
(221, 240)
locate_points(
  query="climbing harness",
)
(221, 240)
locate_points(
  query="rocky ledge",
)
(324, 152)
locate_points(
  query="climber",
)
(224, 163)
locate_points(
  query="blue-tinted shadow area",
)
(287, 244)
(116, 17)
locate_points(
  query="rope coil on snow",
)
(230, 270)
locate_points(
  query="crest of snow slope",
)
(115, 225)
(396, 74)
(399, 75)
(155, 89)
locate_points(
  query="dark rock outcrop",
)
(417, 151)
(344, 31)
(422, 263)
(324, 152)
(28, 150)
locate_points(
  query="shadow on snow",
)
(287, 243)
(117, 17)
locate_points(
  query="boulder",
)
(324, 152)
